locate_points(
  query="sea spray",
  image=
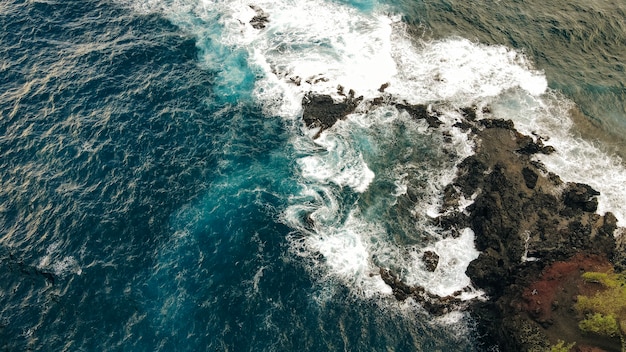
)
(295, 53)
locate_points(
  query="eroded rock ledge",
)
(321, 111)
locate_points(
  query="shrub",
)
(561, 347)
(600, 324)
(609, 280)
(610, 301)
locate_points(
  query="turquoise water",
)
(160, 192)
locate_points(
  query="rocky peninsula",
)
(536, 235)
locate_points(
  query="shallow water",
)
(160, 192)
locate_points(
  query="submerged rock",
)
(432, 303)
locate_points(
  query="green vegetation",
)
(610, 301)
(561, 347)
(610, 280)
(605, 311)
(600, 324)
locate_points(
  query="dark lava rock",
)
(521, 227)
(400, 290)
(261, 19)
(516, 216)
(463, 125)
(431, 260)
(471, 173)
(432, 303)
(497, 123)
(469, 113)
(530, 177)
(581, 196)
(609, 224)
(528, 146)
(321, 111)
(420, 112)
(450, 196)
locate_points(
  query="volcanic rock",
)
(432, 303)
(525, 219)
(321, 111)
(581, 196)
(420, 112)
(521, 226)
(261, 18)
(431, 260)
(530, 177)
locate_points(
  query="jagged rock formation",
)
(524, 219)
(526, 222)
(432, 303)
(431, 260)
(321, 111)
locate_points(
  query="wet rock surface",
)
(431, 260)
(322, 112)
(420, 112)
(526, 219)
(536, 234)
(261, 19)
(432, 303)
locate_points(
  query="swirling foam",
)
(319, 46)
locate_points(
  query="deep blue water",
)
(148, 195)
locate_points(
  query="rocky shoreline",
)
(536, 234)
(526, 220)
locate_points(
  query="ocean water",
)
(160, 192)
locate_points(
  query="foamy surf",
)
(339, 163)
(576, 159)
(58, 264)
(351, 175)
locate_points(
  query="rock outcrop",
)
(525, 219)
(322, 112)
(535, 233)
(432, 303)
(261, 19)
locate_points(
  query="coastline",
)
(531, 229)
(535, 233)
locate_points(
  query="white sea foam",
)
(340, 163)
(459, 71)
(347, 253)
(576, 159)
(318, 46)
(455, 254)
(58, 264)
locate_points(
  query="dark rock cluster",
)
(524, 219)
(261, 19)
(321, 111)
(432, 303)
(431, 260)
